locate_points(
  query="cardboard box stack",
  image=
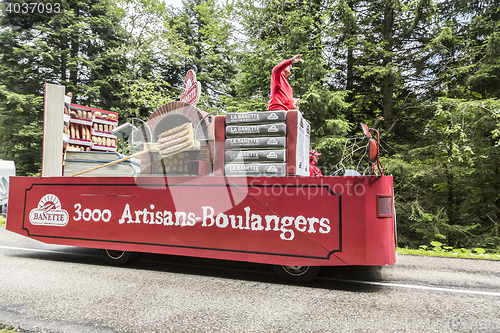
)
(255, 144)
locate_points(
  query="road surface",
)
(48, 288)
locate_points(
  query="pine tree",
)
(204, 27)
(70, 48)
(454, 159)
(278, 30)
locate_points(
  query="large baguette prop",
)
(169, 143)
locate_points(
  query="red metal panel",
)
(287, 220)
(381, 231)
(219, 143)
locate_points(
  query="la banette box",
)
(249, 138)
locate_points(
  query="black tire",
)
(297, 274)
(119, 258)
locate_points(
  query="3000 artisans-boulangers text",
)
(247, 221)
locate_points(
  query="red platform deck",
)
(306, 221)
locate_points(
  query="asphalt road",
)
(47, 288)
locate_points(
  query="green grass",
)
(9, 329)
(2, 224)
(462, 254)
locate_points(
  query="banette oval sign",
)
(192, 89)
(49, 212)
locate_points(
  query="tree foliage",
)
(425, 73)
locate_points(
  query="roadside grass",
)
(9, 329)
(454, 253)
(2, 224)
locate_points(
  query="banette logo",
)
(49, 212)
(272, 168)
(273, 129)
(272, 155)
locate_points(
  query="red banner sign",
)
(318, 221)
(192, 89)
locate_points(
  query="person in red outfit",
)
(281, 91)
(313, 160)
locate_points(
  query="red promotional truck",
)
(215, 204)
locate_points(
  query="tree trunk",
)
(387, 79)
(75, 48)
(64, 60)
(350, 74)
(450, 212)
(350, 58)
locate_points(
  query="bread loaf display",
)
(174, 132)
(87, 133)
(77, 132)
(89, 125)
(73, 147)
(176, 139)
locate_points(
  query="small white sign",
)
(49, 212)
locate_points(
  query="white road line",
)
(36, 250)
(411, 286)
(384, 284)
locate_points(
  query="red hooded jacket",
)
(314, 171)
(281, 91)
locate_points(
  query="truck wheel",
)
(119, 258)
(296, 274)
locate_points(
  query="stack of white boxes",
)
(256, 144)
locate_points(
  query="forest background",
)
(425, 73)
